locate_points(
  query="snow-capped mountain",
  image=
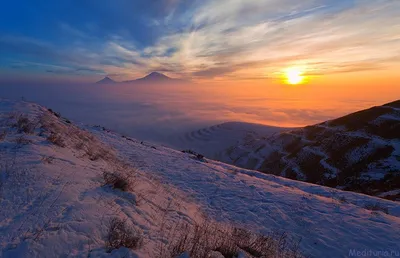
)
(358, 152)
(151, 78)
(106, 80)
(155, 77)
(85, 191)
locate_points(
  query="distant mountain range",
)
(358, 152)
(154, 77)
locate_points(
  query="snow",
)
(61, 208)
(337, 150)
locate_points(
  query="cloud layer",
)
(230, 39)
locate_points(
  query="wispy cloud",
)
(231, 38)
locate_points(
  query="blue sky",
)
(208, 39)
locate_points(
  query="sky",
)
(201, 40)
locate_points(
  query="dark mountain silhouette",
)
(152, 78)
(155, 77)
(358, 152)
(106, 80)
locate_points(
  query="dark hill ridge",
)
(358, 152)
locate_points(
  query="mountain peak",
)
(156, 76)
(106, 80)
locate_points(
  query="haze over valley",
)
(164, 113)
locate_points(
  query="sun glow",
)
(294, 75)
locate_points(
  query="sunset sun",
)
(294, 75)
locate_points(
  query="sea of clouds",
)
(159, 113)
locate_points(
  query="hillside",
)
(58, 199)
(358, 152)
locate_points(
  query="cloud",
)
(232, 38)
(55, 69)
(73, 31)
(161, 115)
(75, 71)
(224, 38)
(214, 72)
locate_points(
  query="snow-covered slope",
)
(358, 152)
(54, 202)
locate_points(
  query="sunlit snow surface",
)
(60, 208)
